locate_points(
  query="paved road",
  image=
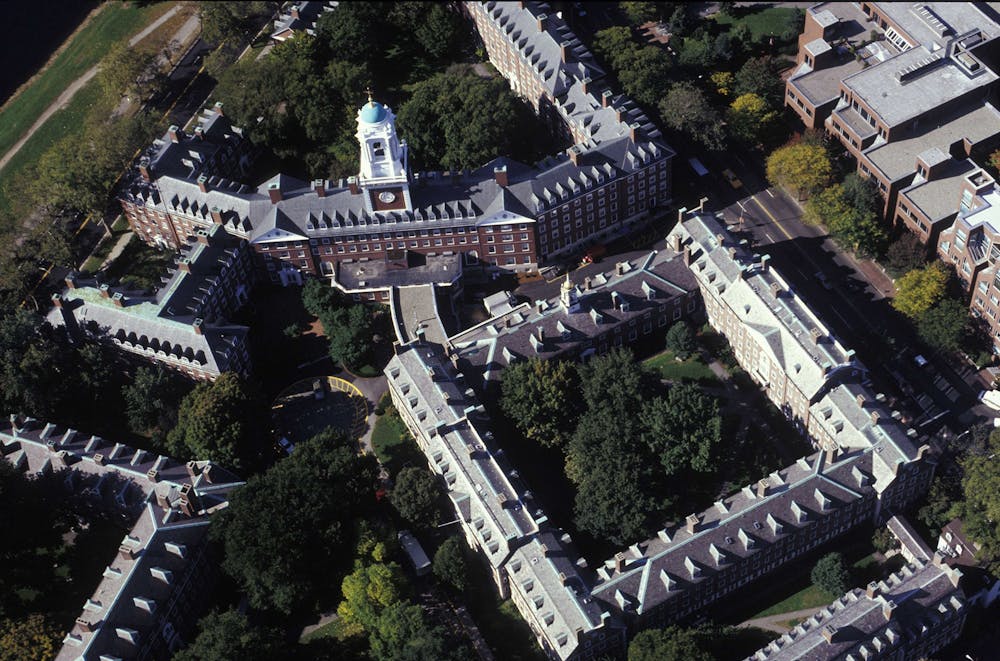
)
(75, 86)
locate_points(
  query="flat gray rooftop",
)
(960, 17)
(414, 269)
(939, 198)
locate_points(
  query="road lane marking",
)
(768, 191)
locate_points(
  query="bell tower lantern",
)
(384, 175)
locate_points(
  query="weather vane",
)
(368, 91)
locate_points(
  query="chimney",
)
(99, 459)
(174, 133)
(84, 625)
(691, 523)
(184, 264)
(203, 184)
(564, 51)
(872, 590)
(217, 215)
(199, 133)
(57, 300)
(202, 237)
(574, 154)
(105, 291)
(675, 242)
(541, 334)
(500, 175)
(721, 238)
(874, 416)
(633, 131)
(860, 400)
(762, 487)
(687, 255)
(585, 84)
(829, 633)
(71, 280)
(764, 259)
(831, 455)
(352, 185)
(620, 114)
(887, 608)
(218, 108)
(126, 552)
(144, 169)
(619, 268)
(606, 97)
(274, 192)
(587, 283)
(542, 20)
(196, 325)
(118, 299)
(620, 562)
(188, 500)
(319, 187)
(732, 253)
(540, 306)
(775, 289)
(295, 11)
(209, 473)
(153, 474)
(815, 335)
(192, 469)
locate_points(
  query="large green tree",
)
(541, 397)
(349, 330)
(223, 421)
(401, 633)
(758, 76)
(670, 644)
(751, 120)
(152, 399)
(831, 574)
(368, 591)
(979, 509)
(287, 534)
(944, 326)
(221, 21)
(687, 109)
(683, 429)
(415, 497)
(229, 635)
(125, 71)
(450, 566)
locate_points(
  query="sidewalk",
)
(773, 622)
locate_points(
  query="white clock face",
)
(386, 196)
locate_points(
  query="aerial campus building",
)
(503, 215)
(152, 593)
(867, 467)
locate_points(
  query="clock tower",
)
(384, 176)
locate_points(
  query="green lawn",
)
(332, 629)
(762, 24)
(394, 446)
(114, 22)
(141, 265)
(810, 597)
(692, 369)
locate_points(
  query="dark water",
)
(33, 30)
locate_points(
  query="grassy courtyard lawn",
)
(394, 446)
(762, 24)
(114, 21)
(691, 369)
(332, 629)
(140, 266)
(810, 597)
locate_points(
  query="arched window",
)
(378, 150)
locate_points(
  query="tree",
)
(450, 566)
(758, 77)
(804, 167)
(944, 325)
(349, 330)
(318, 297)
(31, 638)
(680, 339)
(830, 574)
(723, 81)
(415, 497)
(683, 429)
(438, 31)
(286, 533)
(229, 635)
(670, 644)
(678, 23)
(979, 508)
(905, 254)
(369, 590)
(645, 73)
(884, 541)
(221, 21)
(125, 71)
(994, 160)
(540, 398)
(221, 421)
(686, 109)
(849, 211)
(152, 399)
(750, 119)
(638, 13)
(401, 633)
(920, 289)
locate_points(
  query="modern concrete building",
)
(907, 90)
(182, 325)
(775, 336)
(155, 588)
(504, 215)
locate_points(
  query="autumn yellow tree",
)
(32, 638)
(750, 119)
(920, 289)
(723, 81)
(804, 167)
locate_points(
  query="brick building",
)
(151, 594)
(505, 215)
(184, 324)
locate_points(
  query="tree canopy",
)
(758, 76)
(944, 325)
(401, 633)
(287, 533)
(152, 399)
(450, 566)
(919, 289)
(368, 591)
(680, 339)
(803, 166)
(541, 398)
(415, 496)
(643, 71)
(670, 644)
(979, 508)
(831, 575)
(222, 421)
(687, 109)
(850, 212)
(230, 20)
(229, 635)
(751, 120)
(683, 429)
(31, 638)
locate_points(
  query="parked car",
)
(286, 445)
(733, 180)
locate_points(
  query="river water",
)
(33, 30)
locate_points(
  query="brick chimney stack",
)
(500, 175)
(174, 133)
(319, 187)
(352, 185)
(274, 192)
(218, 108)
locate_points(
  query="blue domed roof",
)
(372, 112)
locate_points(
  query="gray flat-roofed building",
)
(910, 615)
(152, 592)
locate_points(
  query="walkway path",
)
(775, 623)
(76, 85)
